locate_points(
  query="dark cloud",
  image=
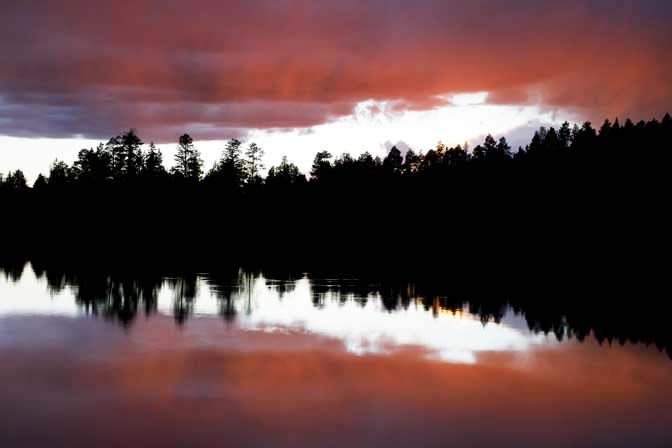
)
(78, 67)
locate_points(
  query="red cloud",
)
(76, 67)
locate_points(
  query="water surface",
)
(252, 359)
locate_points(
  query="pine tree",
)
(503, 149)
(393, 162)
(59, 174)
(552, 142)
(232, 156)
(565, 135)
(490, 147)
(185, 151)
(132, 154)
(40, 183)
(16, 181)
(229, 172)
(194, 166)
(253, 163)
(153, 166)
(116, 153)
(411, 162)
(321, 165)
(285, 174)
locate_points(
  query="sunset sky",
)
(302, 76)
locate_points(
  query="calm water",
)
(247, 359)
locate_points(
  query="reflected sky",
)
(309, 363)
(260, 304)
(89, 382)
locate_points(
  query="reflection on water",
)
(241, 358)
(358, 315)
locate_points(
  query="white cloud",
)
(373, 124)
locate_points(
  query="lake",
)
(263, 359)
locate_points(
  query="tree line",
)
(123, 161)
(574, 196)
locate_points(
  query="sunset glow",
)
(343, 76)
(335, 223)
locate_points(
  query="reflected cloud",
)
(23, 292)
(366, 316)
(366, 328)
(362, 322)
(206, 384)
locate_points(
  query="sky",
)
(300, 76)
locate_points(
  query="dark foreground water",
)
(253, 361)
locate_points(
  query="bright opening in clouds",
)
(374, 126)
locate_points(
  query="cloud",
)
(79, 68)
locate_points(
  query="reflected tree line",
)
(121, 296)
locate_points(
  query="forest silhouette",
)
(573, 230)
(574, 199)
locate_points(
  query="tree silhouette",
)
(93, 166)
(15, 182)
(455, 157)
(188, 163)
(229, 172)
(285, 174)
(153, 166)
(59, 174)
(490, 148)
(565, 135)
(132, 156)
(411, 162)
(40, 184)
(393, 161)
(253, 163)
(503, 150)
(321, 165)
(115, 150)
